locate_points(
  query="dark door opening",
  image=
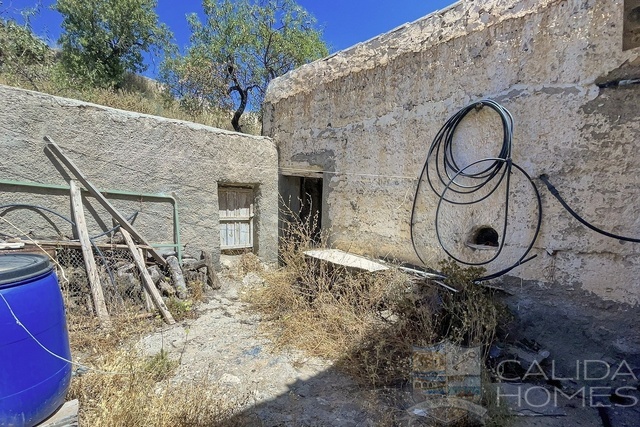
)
(302, 197)
(311, 209)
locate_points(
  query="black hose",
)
(466, 183)
(545, 178)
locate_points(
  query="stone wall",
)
(366, 117)
(137, 153)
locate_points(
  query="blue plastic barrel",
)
(33, 383)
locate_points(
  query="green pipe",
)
(176, 221)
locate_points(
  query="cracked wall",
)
(558, 66)
(120, 150)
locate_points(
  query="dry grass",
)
(137, 94)
(249, 263)
(139, 392)
(125, 388)
(367, 322)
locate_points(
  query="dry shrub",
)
(124, 388)
(471, 316)
(249, 263)
(367, 322)
(137, 392)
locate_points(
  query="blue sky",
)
(344, 22)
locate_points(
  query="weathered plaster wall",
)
(367, 116)
(126, 151)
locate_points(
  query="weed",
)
(196, 290)
(367, 322)
(160, 367)
(181, 309)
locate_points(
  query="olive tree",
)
(102, 40)
(25, 59)
(239, 47)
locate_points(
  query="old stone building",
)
(194, 188)
(354, 130)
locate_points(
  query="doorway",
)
(302, 203)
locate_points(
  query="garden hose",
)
(545, 178)
(488, 174)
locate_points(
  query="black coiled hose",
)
(467, 181)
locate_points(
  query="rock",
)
(229, 379)
(252, 279)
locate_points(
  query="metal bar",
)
(171, 199)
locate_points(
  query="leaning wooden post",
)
(146, 279)
(124, 224)
(148, 302)
(87, 254)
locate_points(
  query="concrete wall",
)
(126, 151)
(367, 115)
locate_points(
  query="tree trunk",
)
(235, 121)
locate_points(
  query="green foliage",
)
(181, 309)
(24, 58)
(105, 39)
(240, 47)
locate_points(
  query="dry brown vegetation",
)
(138, 94)
(368, 322)
(123, 387)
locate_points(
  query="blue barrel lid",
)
(21, 266)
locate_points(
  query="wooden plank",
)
(101, 199)
(146, 279)
(11, 245)
(68, 244)
(148, 302)
(87, 254)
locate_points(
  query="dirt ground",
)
(277, 388)
(286, 388)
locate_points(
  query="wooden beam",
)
(148, 302)
(146, 279)
(87, 254)
(53, 147)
